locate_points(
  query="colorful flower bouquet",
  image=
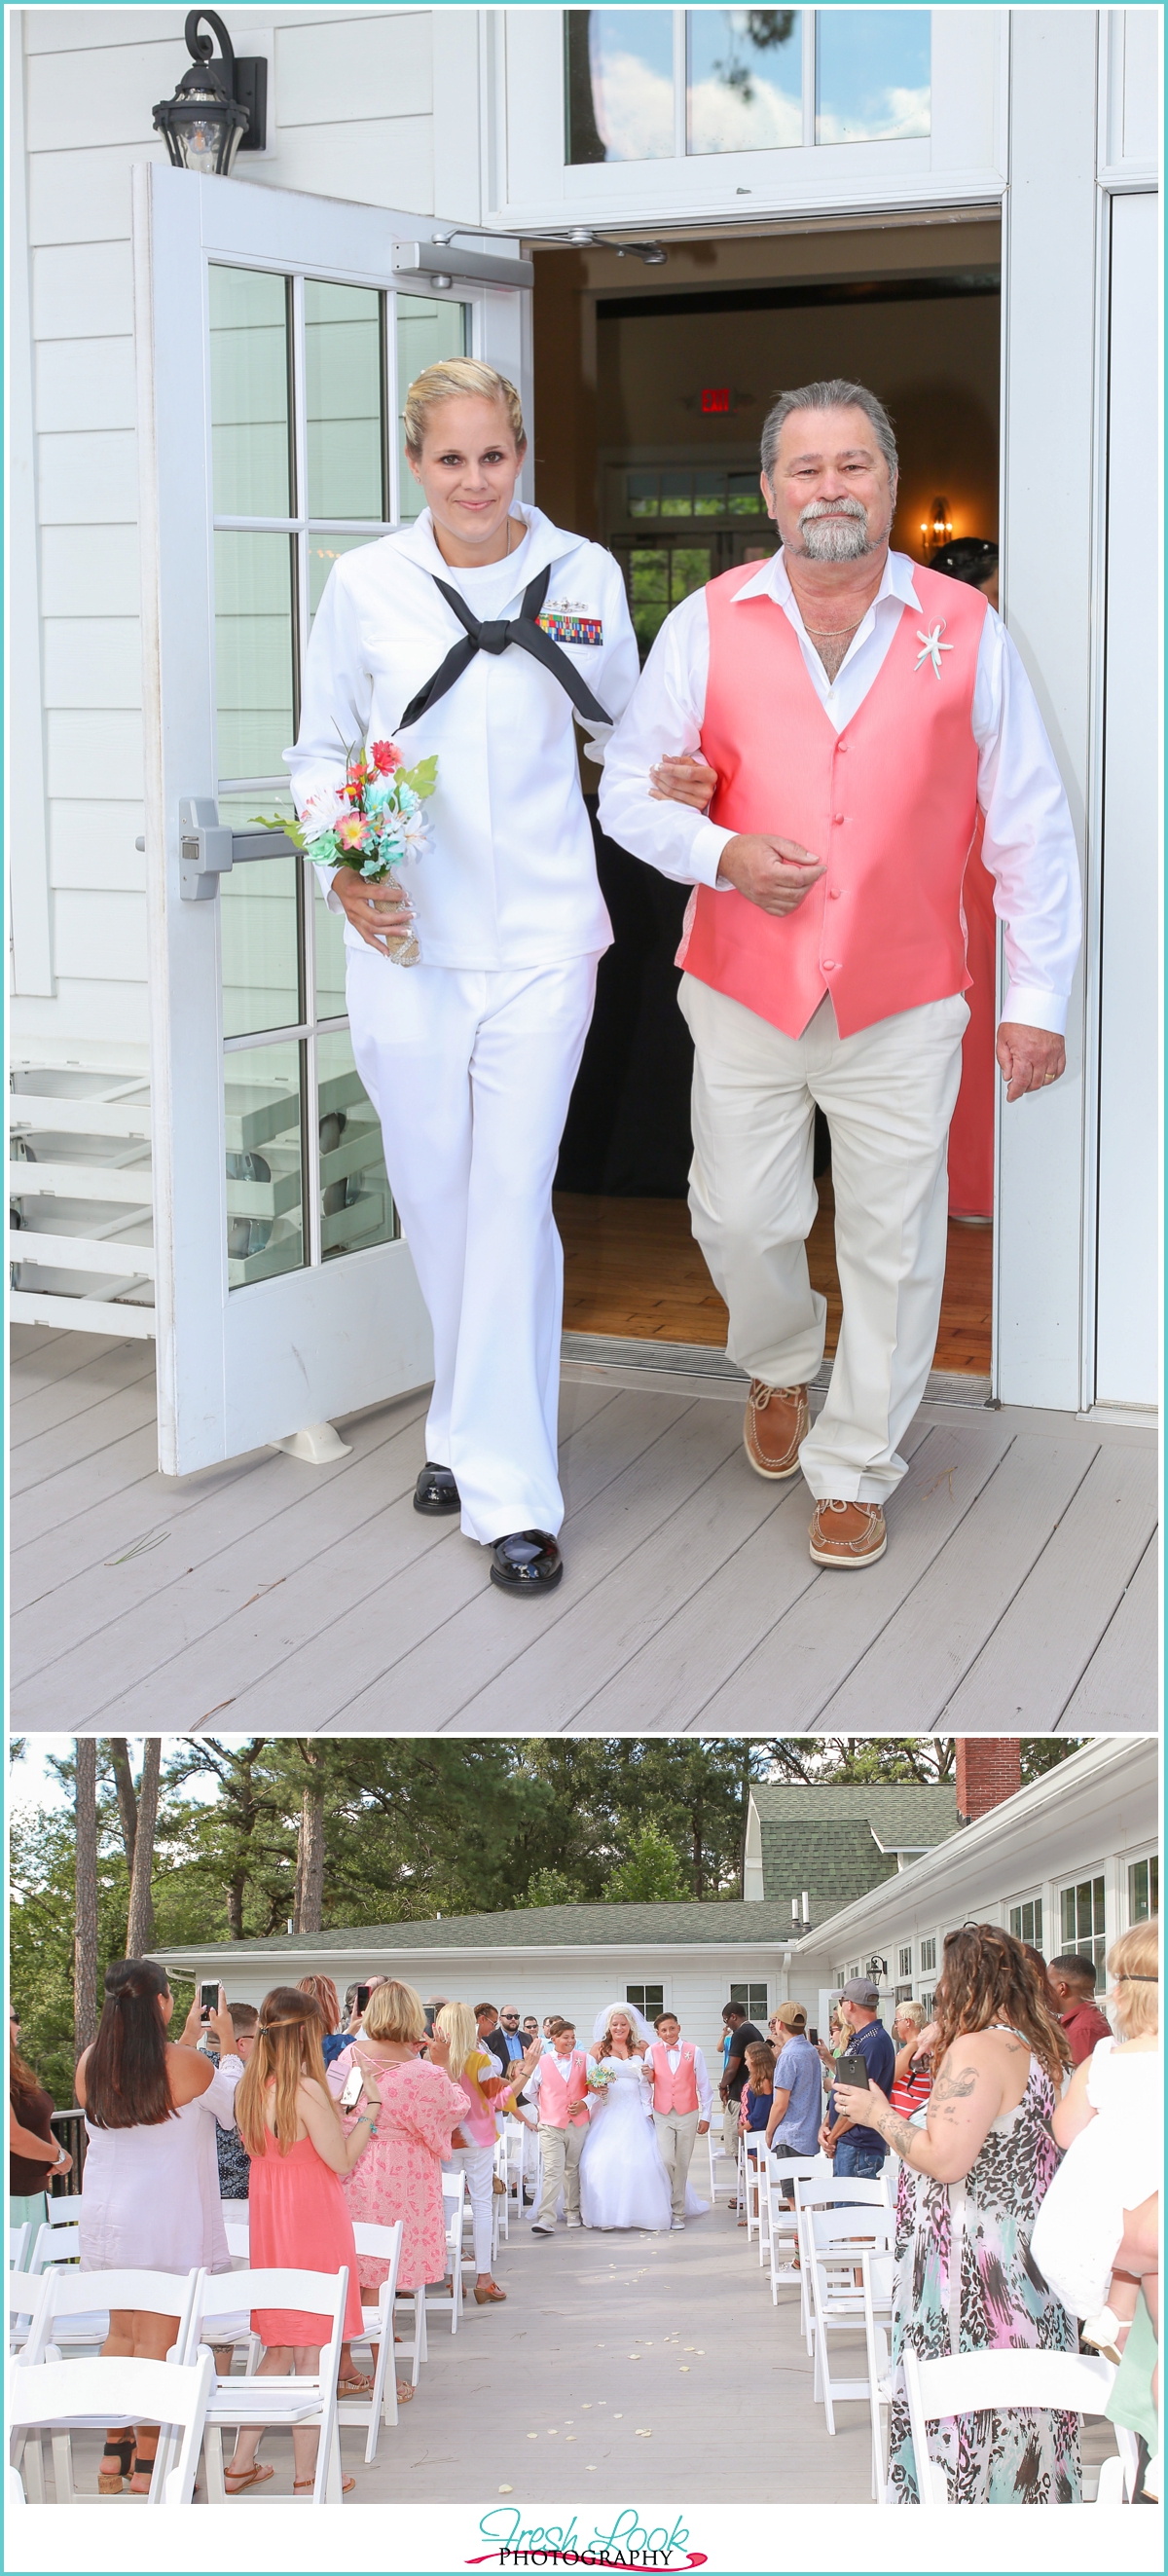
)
(372, 824)
(598, 2079)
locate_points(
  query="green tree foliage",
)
(549, 1887)
(649, 1874)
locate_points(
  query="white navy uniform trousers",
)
(469, 1058)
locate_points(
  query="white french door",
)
(276, 334)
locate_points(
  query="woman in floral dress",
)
(401, 2176)
(971, 2185)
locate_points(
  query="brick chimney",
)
(989, 1768)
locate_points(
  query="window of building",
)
(927, 2001)
(903, 1994)
(649, 2000)
(904, 1962)
(929, 1956)
(1143, 1888)
(659, 84)
(1081, 1919)
(1026, 1921)
(753, 2000)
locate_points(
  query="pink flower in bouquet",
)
(351, 831)
(385, 757)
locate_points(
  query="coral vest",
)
(562, 2098)
(889, 804)
(674, 2092)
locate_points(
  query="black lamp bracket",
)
(201, 48)
(244, 76)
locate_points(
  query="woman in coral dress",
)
(417, 2123)
(299, 2218)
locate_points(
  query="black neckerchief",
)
(493, 636)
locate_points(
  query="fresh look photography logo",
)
(626, 2542)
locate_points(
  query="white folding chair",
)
(56, 2243)
(455, 2204)
(282, 2399)
(970, 2383)
(838, 2238)
(879, 2276)
(23, 2293)
(82, 2396)
(19, 2239)
(829, 2194)
(381, 2404)
(721, 2153)
(782, 2225)
(501, 2213)
(414, 2348)
(67, 2323)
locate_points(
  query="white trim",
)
(82, 1314)
(30, 903)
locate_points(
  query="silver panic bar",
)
(208, 849)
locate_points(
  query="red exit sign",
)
(715, 397)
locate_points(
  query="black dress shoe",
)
(436, 1490)
(527, 1561)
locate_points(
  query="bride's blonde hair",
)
(625, 2013)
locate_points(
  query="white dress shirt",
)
(701, 2077)
(1029, 845)
(509, 880)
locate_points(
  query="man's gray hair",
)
(834, 393)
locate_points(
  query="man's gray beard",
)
(835, 540)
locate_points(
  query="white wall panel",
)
(92, 662)
(82, 289)
(389, 162)
(1142, 38)
(91, 844)
(108, 90)
(85, 384)
(100, 938)
(90, 571)
(72, 31)
(88, 476)
(95, 754)
(85, 196)
(101, 1012)
(352, 68)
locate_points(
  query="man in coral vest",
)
(681, 2102)
(855, 712)
(559, 2086)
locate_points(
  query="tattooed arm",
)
(979, 2077)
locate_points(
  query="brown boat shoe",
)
(847, 1534)
(777, 1421)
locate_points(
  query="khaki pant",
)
(888, 1094)
(560, 2150)
(676, 2131)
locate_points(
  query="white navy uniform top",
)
(509, 879)
(1029, 845)
(701, 2077)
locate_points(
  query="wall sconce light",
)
(878, 1970)
(220, 105)
(938, 530)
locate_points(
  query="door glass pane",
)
(648, 580)
(689, 569)
(427, 329)
(677, 495)
(265, 1221)
(641, 495)
(709, 495)
(250, 446)
(330, 958)
(324, 545)
(343, 382)
(257, 919)
(745, 79)
(356, 1207)
(253, 652)
(872, 74)
(619, 84)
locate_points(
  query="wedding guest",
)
(856, 2148)
(299, 2221)
(151, 2198)
(490, 2035)
(754, 2109)
(742, 2035)
(912, 2080)
(420, 2109)
(475, 2070)
(1071, 1984)
(965, 2278)
(232, 2156)
(33, 2151)
(509, 2031)
(324, 1995)
(796, 2101)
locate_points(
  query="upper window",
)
(649, 2000)
(904, 1965)
(929, 1956)
(1143, 1889)
(753, 2000)
(654, 84)
(1026, 1921)
(1082, 1922)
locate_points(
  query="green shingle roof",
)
(837, 1841)
(527, 1928)
(900, 1815)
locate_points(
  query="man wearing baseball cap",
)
(859, 2152)
(793, 2127)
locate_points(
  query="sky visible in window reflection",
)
(745, 79)
(872, 74)
(631, 58)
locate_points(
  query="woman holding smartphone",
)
(418, 2117)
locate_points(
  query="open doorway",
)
(650, 391)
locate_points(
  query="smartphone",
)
(208, 1998)
(352, 2092)
(429, 2016)
(813, 2036)
(854, 2070)
(362, 1998)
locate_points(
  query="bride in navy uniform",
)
(623, 2182)
(478, 634)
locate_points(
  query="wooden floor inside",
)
(1018, 1592)
(632, 1269)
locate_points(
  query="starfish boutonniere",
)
(931, 646)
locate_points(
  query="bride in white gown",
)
(623, 2182)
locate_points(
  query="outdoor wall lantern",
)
(220, 105)
(878, 1971)
(938, 530)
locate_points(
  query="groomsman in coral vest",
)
(559, 2086)
(853, 714)
(681, 2102)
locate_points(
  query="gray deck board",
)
(1019, 1587)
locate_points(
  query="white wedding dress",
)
(623, 2182)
